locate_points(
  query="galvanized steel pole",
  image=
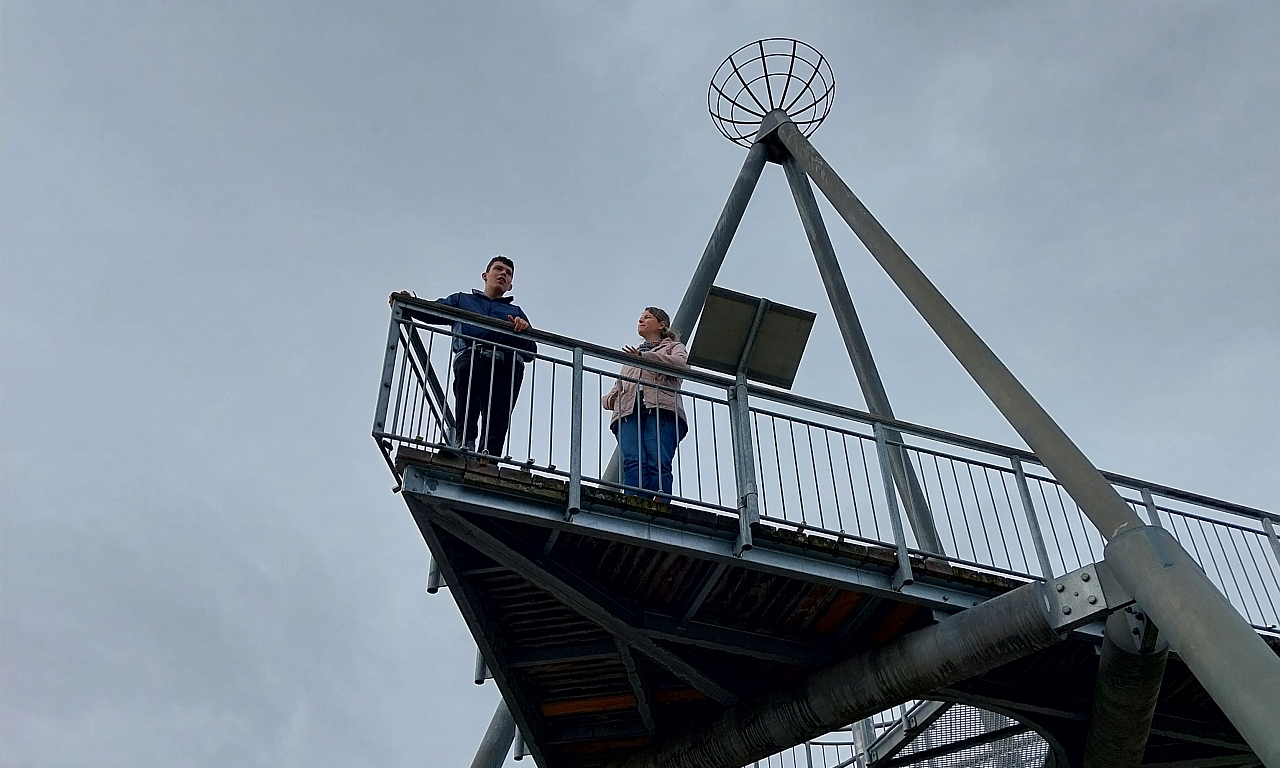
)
(903, 577)
(575, 439)
(1130, 670)
(1033, 519)
(1011, 626)
(1228, 658)
(744, 464)
(496, 743)
(713, 255)
(864, 365)
(704, 275)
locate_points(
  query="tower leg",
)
(704, 275)
(1124, 698)
(713, 255)
(864, 365)
(493, 749)
(1225, 654)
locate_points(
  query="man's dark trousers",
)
(486, 385)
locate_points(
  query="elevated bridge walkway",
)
(616, 620)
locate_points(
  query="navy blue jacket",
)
(481, 304)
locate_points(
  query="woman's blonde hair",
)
(665, 319)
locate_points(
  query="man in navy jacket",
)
(487, 368)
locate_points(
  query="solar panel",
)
(771, 337)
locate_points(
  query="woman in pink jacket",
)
(648, 434)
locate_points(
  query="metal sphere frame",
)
(768, 74)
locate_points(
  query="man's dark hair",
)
(502, 259)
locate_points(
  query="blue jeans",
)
(647, 444)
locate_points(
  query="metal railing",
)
(774, 458)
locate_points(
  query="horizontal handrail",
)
(769, 456)
(416, 305)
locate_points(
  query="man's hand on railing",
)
(391, 300)
(519, 322)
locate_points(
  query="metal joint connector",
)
(1083, 596)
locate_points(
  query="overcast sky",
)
(203, 207)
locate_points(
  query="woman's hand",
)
(631, 351)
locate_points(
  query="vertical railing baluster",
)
(1152, 512)
(575, 438)
(903, 576)
(1271, 536)
(388, 372)
(744, 464)
(1033, 520)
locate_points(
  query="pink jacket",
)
(622, 398)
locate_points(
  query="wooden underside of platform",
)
(606, 637)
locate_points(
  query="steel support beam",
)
(735, 641)
(1009, 627)
(1208, 634)
(481, 627)
(704, 275)
(495, 745)
(709, 583)
(572, 596)
(1228, 658)
(421, 486)
(564, 654)
(864, 365)
(925, 755)
(637, 686)
(856, 620)
(904, 732)
(1130, 670)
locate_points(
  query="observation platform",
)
(612, 622)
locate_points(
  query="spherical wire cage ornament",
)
(773, 73)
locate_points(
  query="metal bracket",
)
(1083, 596)
(902, 577)
(743, 542)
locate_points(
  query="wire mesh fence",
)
(955, 736)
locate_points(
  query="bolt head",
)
(1093, 599)
(1066, 610)
(1084, 576)
(1059, 587)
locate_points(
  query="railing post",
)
(388, 372)
(744, 464)
(1152, 512)
(575, 438)
(864, 735)
(903, 576)
(521, 750)
(434, 579)
(1271, 536)
(482, 669)
(1033, 520)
